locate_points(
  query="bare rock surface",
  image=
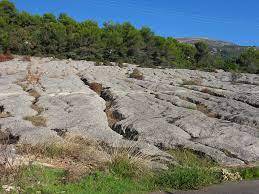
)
(213, 113)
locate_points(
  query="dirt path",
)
(245, 187)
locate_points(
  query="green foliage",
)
(187, 178)
(249, 173)
(7, 9)
(187, 157)
(35, 179)
(202, 51)
(63, 37)
(249, 60)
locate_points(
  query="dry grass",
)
(6, 57)
(112, 119)
(78, 156)
(33, 77)
(204, 109)
(130, 162)
(211, 92)
(37, 120)
(96, 87)
(26, 58)
(34, 93)
(206, 90)
(136, 74)
(37, 108)
(34, 106)
(192, 82)
(8, 170)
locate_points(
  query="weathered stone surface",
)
(214, 113)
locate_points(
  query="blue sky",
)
(231, 20)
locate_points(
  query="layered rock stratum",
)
(213, 113)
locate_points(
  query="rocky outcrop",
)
(213, 113)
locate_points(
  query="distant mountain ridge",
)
(193, 40)
(224, 48)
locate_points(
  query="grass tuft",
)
(187, 157)
(192, 82)
(38, 121)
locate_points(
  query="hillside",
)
(225, 49)
(212, 43)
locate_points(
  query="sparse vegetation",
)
(249, 173)
(235, 76)
(34, 93)
(5, 57)
(187, 157)
(191, 82)
(204, 109)
(136, 74)
(33, 77)
(107, 63)
(37, 108)
(3, 113)
(97, 87)
(26, 58)
(37, 120)
(111, 116)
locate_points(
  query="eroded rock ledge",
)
(213, 113)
